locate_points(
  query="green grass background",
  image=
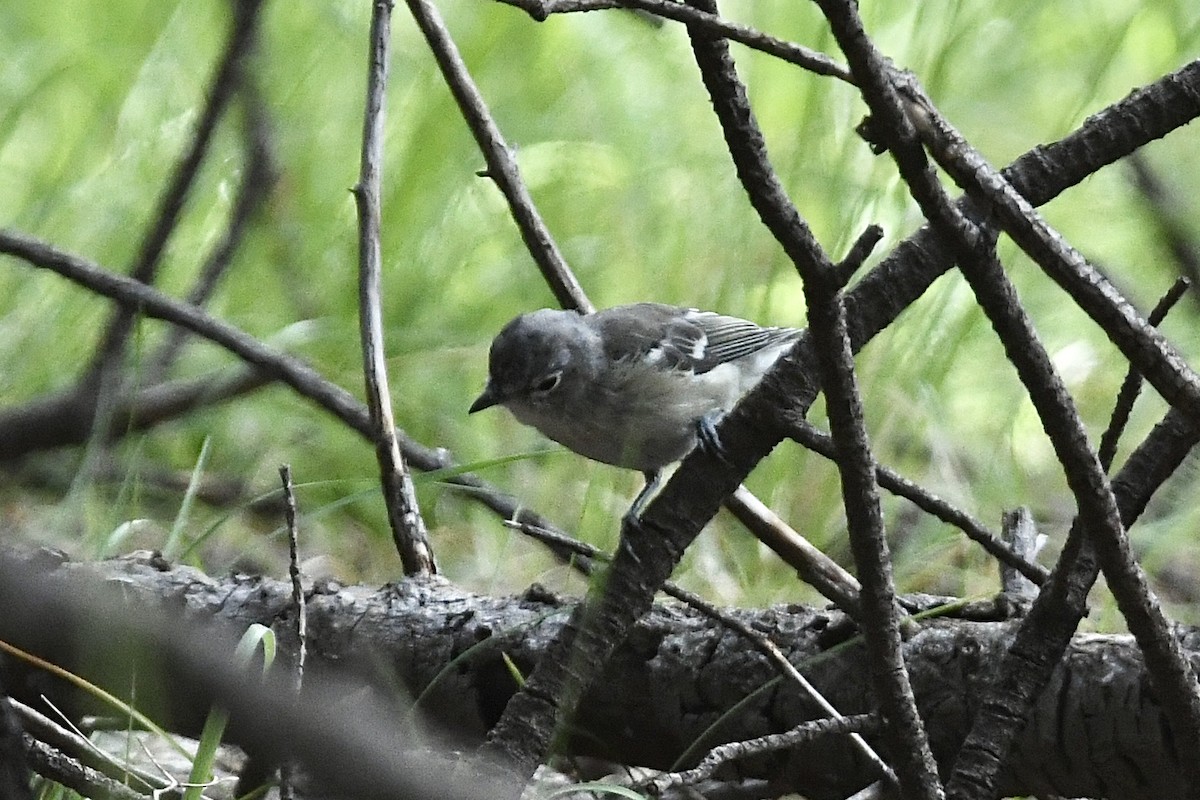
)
(618, 144)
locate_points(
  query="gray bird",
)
(633, 386)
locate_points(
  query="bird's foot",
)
(706, 435)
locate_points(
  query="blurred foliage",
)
(617, 141)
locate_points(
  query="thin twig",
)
(1021, 535)
(801, 734)
(399, 495)
(808, 435)
(880, 619)
(501, 165)
(863, 246)
(799, 55)
(813, 567)
(286, 773)
(65, 771)
(1132, 385)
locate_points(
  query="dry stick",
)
(501, 165)
(799, 55)
(1132, 385)
(399, 496)
(813, 567)
(880, 617)
(1021, 535)
(803, 733)
(170, 206)
(864, 521)
(808, 435)
(286, 773)
(85, 780)
(1098, 510)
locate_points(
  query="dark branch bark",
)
(1097, 730)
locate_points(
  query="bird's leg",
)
(653, 479)
(706, 437)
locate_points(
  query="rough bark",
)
(1097, 731)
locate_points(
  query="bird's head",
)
(536, 358)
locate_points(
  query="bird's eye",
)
(547, 383)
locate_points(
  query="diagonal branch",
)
(501, 165)
(809, 436)
(1145, 347)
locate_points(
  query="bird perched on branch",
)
(634, 386)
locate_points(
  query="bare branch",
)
(806, 732)
(814, 567)
(501, 165)
(399, 496)
(799, 55)
(1132, 385)
(809, 436)
(1098, 510)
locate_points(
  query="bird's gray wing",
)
(730, 338)
(653, 331)
(681, 338)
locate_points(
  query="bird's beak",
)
(485, 400)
